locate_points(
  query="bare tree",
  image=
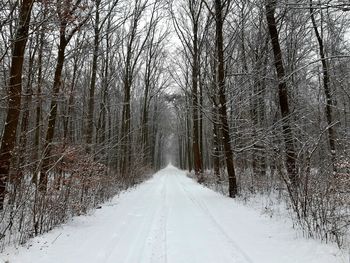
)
(220, 11)
(65, 12)
(14, 95)
(282, 94)
(327, 89)
(189, 29)
(135, 46)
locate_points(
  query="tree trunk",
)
(200, 112)
(282, 94)
(327, 89)
(67, 133)
(91, 104)
(38, 101)
(53, 113)
(189, 157)
(125, 153)
(25, 116)
(216, 144)
(219, 21)
(144, 114)
(154, 133)
(14, 96)
(195, 122)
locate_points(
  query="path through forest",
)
(171, 218)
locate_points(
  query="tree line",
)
(264, 103)
(81, 115)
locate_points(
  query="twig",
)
(56, 238)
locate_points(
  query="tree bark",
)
(327, 89)
(145, 106)
(14, 96)
(282, 94)
(38, 101)
(125, 153)
(216, 144)
(25, 116)
(219, 22)
(189, 156)
(195, 131)
(67, 128)
(91, 104)
(53, 112)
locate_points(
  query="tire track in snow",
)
(155, 250)
(144, 237)
(159, 249)
(133, 228)
(243, 256)
(121, 230)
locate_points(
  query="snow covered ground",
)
(171, 218)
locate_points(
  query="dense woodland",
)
(252, 96)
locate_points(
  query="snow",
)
(171, 218)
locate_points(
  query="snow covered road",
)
(171, 218)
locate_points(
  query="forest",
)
(251, 97)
